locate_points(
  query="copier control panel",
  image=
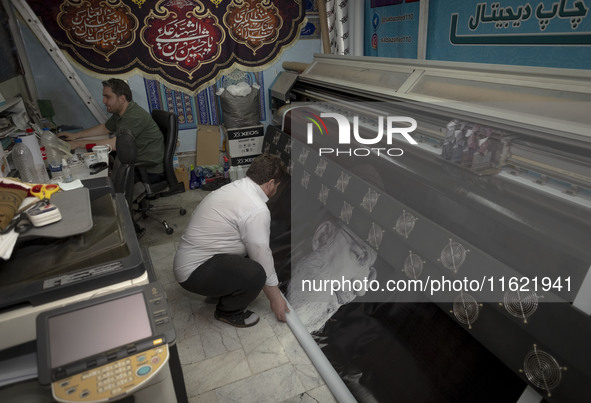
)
(105, 347)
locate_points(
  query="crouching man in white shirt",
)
(225, 251)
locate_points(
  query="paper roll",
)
(33, 145)
(295, 66)
(357, 15)
(31, 142)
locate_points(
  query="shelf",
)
(9, 104)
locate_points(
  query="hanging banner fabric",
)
(186, 43)
(164, 98)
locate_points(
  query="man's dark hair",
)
(266, 167)
(119, 87)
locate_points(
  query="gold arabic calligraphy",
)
(182, 38)
(253, 23)
(104, 26)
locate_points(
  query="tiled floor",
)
(264, 363)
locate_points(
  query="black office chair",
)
(123, 172)
(167, 122)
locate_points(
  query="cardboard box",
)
(208, 145)
(182, 175)
(244, 144)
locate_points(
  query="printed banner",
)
(543, 33)
(187, 43)
(391, 28)
(393, 348)
(164, 98)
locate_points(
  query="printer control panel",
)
(117, 378)
(106, 347)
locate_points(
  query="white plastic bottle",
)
(23, 162)
(53, 154)
(242, 171)
(49, 141)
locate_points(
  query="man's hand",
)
(67, 136)
(98, 130)
(278, 303)
(77, 144)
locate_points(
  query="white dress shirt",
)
(234, 219)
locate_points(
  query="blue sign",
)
(545, 33)
(393, 31)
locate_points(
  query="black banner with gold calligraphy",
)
(187, 43)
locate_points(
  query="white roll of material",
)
(33, 145)
(323, 366)
(31, 142)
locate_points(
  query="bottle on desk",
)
(53, 159)
(23, 162)
(49, 142)
(66, 171)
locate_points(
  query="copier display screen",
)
(85, 332)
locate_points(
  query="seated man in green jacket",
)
(127, 115)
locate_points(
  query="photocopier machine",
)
(82, 316)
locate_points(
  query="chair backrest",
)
(124, 166)
(167, 122)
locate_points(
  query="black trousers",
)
(236, 280)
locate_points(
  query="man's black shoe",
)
(242, 319)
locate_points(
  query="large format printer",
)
(497, 190)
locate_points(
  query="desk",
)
(80, 171)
